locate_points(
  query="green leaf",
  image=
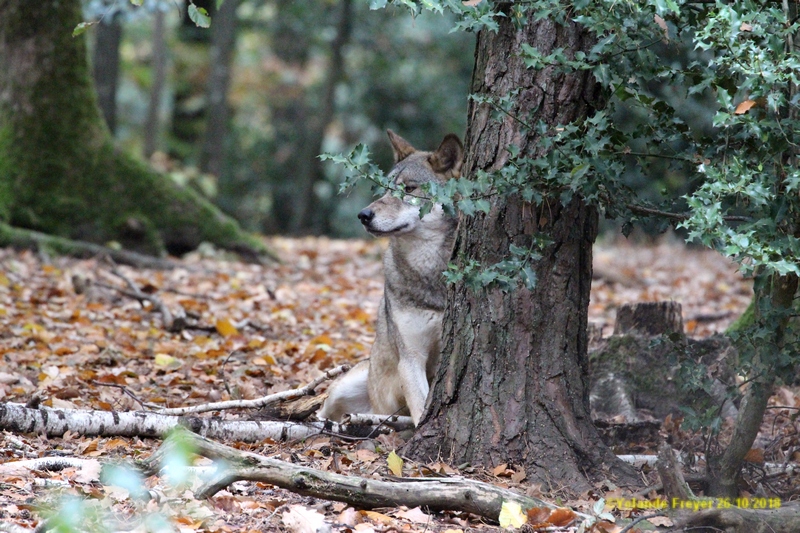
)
(82, 27)
(377, 4)
(199, 16)
(137, 2)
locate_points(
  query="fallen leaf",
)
(562, 517)
(511, 515)
(378, 517)
(300, 519)
(500, 469)
(415, 515)
(395, 464)
(225, 328)
(755, 455)
(537, 515)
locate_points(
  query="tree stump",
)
(649, 318)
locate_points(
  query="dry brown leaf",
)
(562, 517)
(500, 469)
(755, 455)
(744, 107)
(537, 515)
(415, 515)
(378, 517)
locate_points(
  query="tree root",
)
(455, 494)
(35, 240)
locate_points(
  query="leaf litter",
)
(71, 341)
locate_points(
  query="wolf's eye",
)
(410, 188)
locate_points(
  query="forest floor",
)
(71, 337)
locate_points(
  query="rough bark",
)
(513, 383)
(106, 68)
(59, 171)
(223, 44)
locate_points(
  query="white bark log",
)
(18, 418)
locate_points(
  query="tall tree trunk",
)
(223, 45)
(59, 170)
(191, 80)
(311, 216)
(291, 116)
(512, 385)
(106, 68)
(159, 66)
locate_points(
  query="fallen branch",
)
(785, 519)
(257, 403)
(396, 422)
(41, 420)
(455, 494)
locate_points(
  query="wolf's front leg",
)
(414, 380)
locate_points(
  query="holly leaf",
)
(82, 27)
(199, 16)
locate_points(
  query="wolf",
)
(396, 378)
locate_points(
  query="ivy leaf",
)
(199, 16)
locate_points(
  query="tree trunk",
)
(106, 68)
(775, 294)
(512, 385)
(159, 66)
(223, 44)
(59, 171)
(190, 73)
(311, 216)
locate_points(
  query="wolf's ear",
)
(402, 148)
(448, 157)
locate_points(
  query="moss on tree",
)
(59, 170)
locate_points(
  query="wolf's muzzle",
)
(366, 215)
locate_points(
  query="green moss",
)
(745, 320)
(60, 172)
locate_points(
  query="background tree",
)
(59, 171)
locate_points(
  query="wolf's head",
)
(391, 216)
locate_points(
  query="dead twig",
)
(257, 403)
(128, 392)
